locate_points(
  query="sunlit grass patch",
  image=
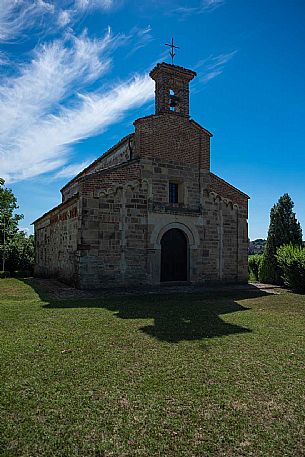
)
(204, 374)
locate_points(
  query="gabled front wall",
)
(173, 148)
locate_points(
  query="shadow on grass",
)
(183, 317)
(175, 317)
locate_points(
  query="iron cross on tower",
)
(173, 47)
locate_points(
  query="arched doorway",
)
(174, 256)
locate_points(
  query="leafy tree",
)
(20, 254)
(283, 229)
(8, 219)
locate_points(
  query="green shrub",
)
(20, 253)
(254, 262)
(291, 260)
(4, 274)
(269, 272)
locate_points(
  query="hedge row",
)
(289, 266)
(291, 261)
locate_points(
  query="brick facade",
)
(123, 209)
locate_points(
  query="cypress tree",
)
(283, 229)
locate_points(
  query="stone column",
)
(220, 238)
(122, 226)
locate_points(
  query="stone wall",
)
(225, 239)
(117, 242)
(226, 190)
(217, 239)
(191, 181)
(56, 242)
(113, 249)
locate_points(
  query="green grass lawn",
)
(175, 375)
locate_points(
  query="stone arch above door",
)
(189, 231)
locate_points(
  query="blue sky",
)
(74, 77)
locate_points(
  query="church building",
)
(149, 211)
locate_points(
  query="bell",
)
(173, 101)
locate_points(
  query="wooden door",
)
(174, 256)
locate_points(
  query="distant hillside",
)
(257, 246)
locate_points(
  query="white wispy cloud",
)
(43, 111)
(18, 15)
(203, 6)
(141, 37)
(72, 170)
(48, 79)
(45, 146)
(210, 5)
(3, 58)
(69, 13)
(95, 4)
(64, 17)
(213, 66)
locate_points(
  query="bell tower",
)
(172, 88)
